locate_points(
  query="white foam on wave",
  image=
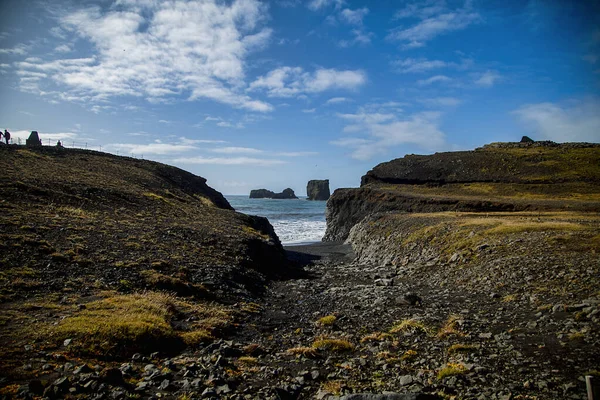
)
(293, 232)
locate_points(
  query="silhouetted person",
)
(58, 144)
(6, 136)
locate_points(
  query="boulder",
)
(318, 190)
(33, 140)
(267, 194)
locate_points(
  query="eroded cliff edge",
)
(497, 177)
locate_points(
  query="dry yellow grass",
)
(461, 348)
(328, 320)
(450, 327)
(248, 360)
(408, 355)
(376, 337)
(333, 387)
(410, 325)
(451, 369)
(138, 321)
(331, 344)
(308, 352)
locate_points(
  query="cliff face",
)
(318, 190)
(497, 177)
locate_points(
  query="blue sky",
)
(270, 94)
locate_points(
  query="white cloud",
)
(151, 148)
(421, 10)
(336, 100)
(354, 17)
(227, 124)
(441, 101)
(408, 65)
(573, 121)
(434, 79)
(185, 141)
(258, 162)
(309, 110)
(434, 21)
(159, 50)
(319, 4)
(63, 48)
(164, 121)
(292, 82)
(360, 38)
(236, 150)
(387, 131)
(18, 50)
(367, 118)
(296, 153)
(488, 78)
(138, 134)
(350, 142)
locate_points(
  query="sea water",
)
(295, 221)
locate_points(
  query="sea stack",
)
(318, 190)
(267, 194)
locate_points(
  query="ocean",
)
(295, 221)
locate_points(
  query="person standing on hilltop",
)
(6, 136)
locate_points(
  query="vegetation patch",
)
(328, 320)
(450, 327)
(304, 351)
(409, 355)
(376, 337)
(333, 387)
(410, 326)
(336, 345)
(461, 348)
(138, 322)
(247, 360)
(451, 369)
(169, 283)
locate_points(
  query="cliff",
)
(498, 177)
(267, 194)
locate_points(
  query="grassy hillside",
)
(119, 255)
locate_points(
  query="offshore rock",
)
(318, 190)
(267, 194)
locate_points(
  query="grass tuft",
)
(376, 337)
(410, 326)
(450, 327)
(328, 320)
(308, 352)
(409, 355)
(337, 345)
(461, 348)
(451, 369)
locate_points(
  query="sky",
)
(270, 94)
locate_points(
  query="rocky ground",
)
(345, 327)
